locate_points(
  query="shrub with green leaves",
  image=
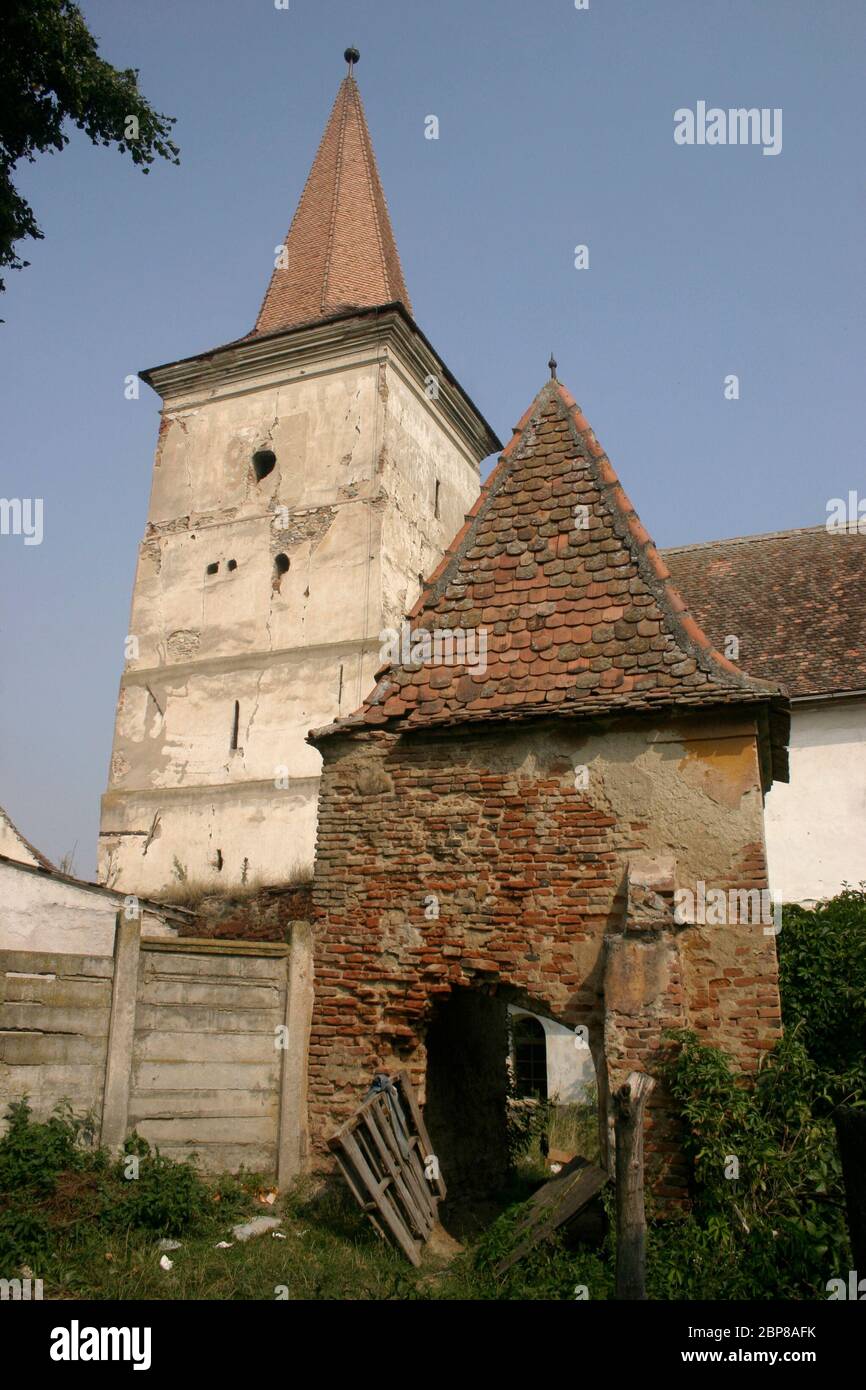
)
(822, 979)
(32, 1155)
(768, 1217)
(166, 1197)
(55, 1184)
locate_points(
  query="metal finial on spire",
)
(552, 365)
(352, 56)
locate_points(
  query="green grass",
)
(73, 1217)
(569, 1129)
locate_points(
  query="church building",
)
(307, 477)
(535, 784)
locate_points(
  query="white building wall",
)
(40, 912)
(12, 844)
(570, 1069)
(816, 824)
(353, 504)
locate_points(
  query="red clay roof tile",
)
(581, 617)
(795, 600)
(341, 252)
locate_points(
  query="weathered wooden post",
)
(629, 1103)
(851, 1134)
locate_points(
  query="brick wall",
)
(472, 859)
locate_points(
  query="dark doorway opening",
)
(467, 1092)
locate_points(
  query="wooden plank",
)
(408, 1093)
(554, 1205)
(375, 1188)
(629, 1104)
(419, 1188)
(387, 1182)
(418, 1218)
(411, 1167)
(357, 1189)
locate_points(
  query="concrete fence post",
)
(293, 1137)
(121, 1031)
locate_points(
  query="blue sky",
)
(556, 129)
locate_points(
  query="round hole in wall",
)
(281, 564)
(232, 564)
(264, 462)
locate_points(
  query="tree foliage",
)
(768, 1215)
(51, 74)
(822, 980)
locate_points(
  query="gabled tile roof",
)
(341, 252)
(579, 619)
(796, 600)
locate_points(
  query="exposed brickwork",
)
(263, 916)
(529, 876)
(457, 847)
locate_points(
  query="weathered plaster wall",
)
(423, 518)
(815, 837)
(350, 504)
(40, 912)
(12, 844)
(472, 859)
(570, 1071)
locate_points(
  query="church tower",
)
(307, 478)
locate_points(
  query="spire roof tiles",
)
(340, 249)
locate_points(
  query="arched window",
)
(530, 1057)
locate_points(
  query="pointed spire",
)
(340, 251)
